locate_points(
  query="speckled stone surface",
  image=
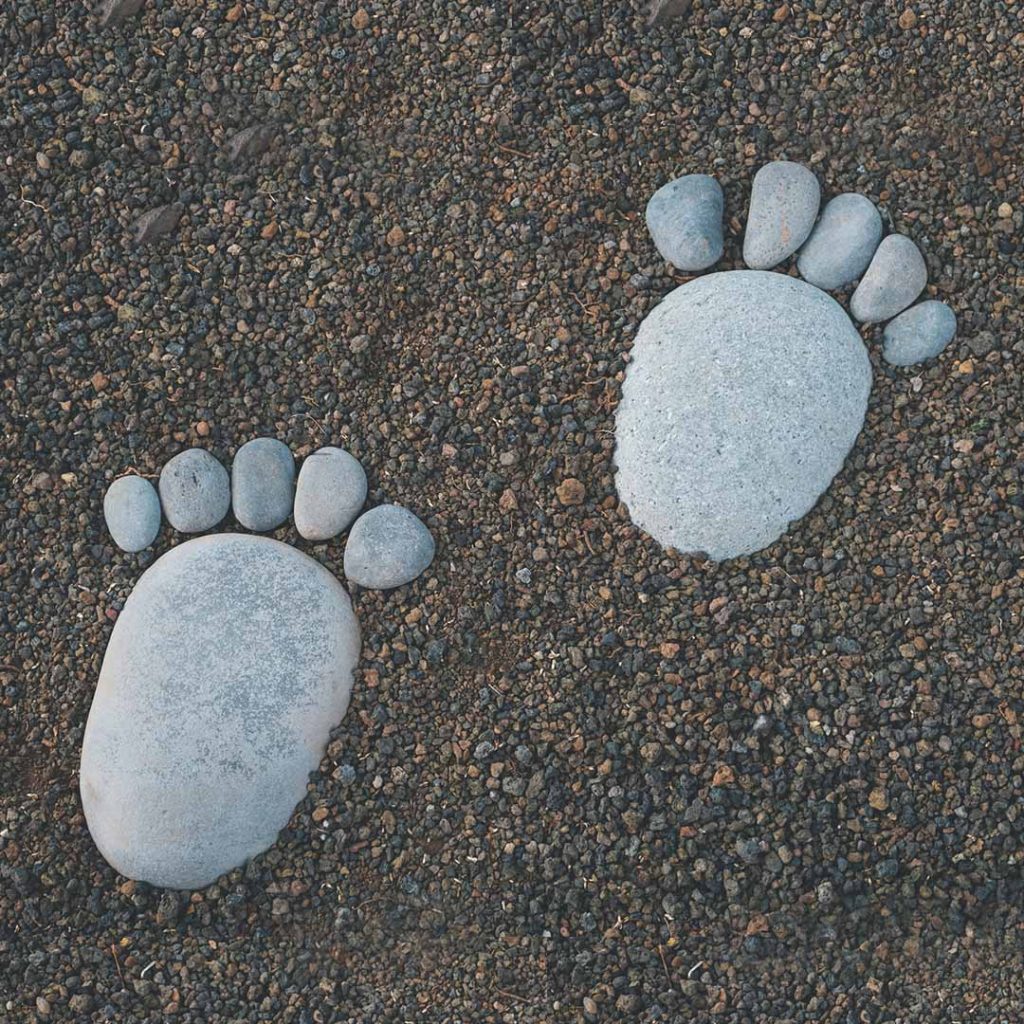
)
(226, 670)
(896, 276)
(132, 511)
(842, 242)
(330, 492)
(262, 483)
(784, 201)
(744, 394)
(684, 218)
(388, 546)
(195, 491)
(919, 333)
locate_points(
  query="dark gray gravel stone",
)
(113, 12)
(388, 546)
(262, 483)
(195, 491)
(132, 511)
(784, 200)
(250, 142)
(896, 276)
(330, 492)
(225, 672)
(156, 223)
(842, 242)
(684, 218)
(745, 392)
(919, 333)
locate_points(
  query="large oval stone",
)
(226, 670)
(745, 392)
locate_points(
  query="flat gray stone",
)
(156, 223)
(262, 483)
(132, 511)
(842, 242)
(225, 672)
(919, 333)
(388, 546)
(114, 12)
(744, 394)
(250, 142)
(896, 276)
(195, 491)
(784, 201)
(684, 218)
(330, 493)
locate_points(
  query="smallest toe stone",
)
(919, 333)
(132, 511)
(330, 492)
(387, 547)
(684, 218)
(784, 201)
(195, 491)
(896, 276)
(262, 483)
(842, 242)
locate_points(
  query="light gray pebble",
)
(388, 546)
(919, 333)
(262, 483)
(896, 276)
(132, 511)
(784, 201)
(195, 491)
(330, 492)
(156, 223)
(684, 218)
(842, 242)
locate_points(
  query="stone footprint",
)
(233, 657)
(746, 390)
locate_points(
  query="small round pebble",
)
(387, 547)
(919, 333)
(784, 201)
(132, 511)
(195, 491)
(330, 492)
(896, 276)
(842, 242)
(262, 483)
(684, 218)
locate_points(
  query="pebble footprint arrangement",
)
(233, 657)
(747, 389)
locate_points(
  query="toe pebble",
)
(195, 491)
(684, 218)
(896, 276)
(784, 201)
(330, 492)
(919, 333)
(842, 242)
(387, 547)
(132, 511)
(262, 483)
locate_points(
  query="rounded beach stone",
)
(330, 492)
(225, 672)
(388, 546)
(684, 218)
(896, 276)
(132, 511)
(744, 394)
(195, 491)
(262, 483)
(842, 242)
(784, 200)
(919, 333)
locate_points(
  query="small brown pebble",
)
(42, 161)
(724, 776)
(203, 428)
(571, 491)
(781, 13)
(878, 799)
(361, 19)
(396, 236)
(908, 19)
(269, 230)
(234, 14)
(99, 381)
(320, 813)
(507, 502)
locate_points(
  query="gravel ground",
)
(582, 779)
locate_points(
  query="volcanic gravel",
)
(582, 778)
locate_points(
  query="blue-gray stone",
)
(262, 483)
(784, 201)
(387, 546)
(330, 492)
(132, 511)
(842, 242)
(743, 396)
(684, 218)
(225, 672)
(195, 491)
(919, 333)
(896, 276)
